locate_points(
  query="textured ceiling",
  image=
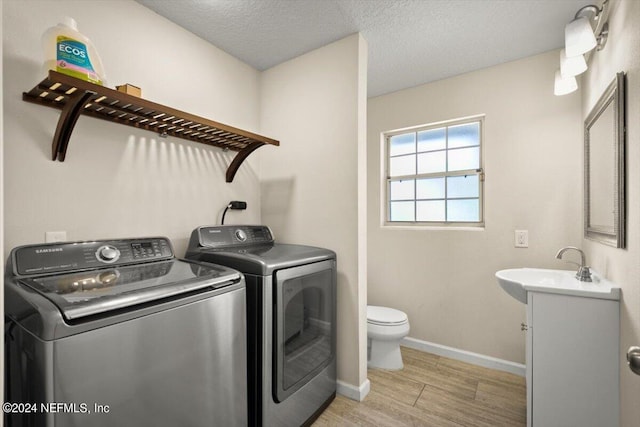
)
(411, 42)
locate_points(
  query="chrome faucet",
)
(583, 274)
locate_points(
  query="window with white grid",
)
(434, 174)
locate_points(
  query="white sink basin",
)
(518, 281)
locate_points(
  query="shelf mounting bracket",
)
(240, 157)
(67, 121)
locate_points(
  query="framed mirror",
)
(604, 167)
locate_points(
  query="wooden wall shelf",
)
(75, 97)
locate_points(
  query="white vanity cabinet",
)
(572, 356)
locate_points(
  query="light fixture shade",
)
(571, 66)
(579, 37)
(563, 86)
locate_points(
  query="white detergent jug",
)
(68, 51)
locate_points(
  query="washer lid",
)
(385, 316)
(261, 260)
(85, 293)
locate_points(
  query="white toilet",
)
(385, 328)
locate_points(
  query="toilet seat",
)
(385, 316)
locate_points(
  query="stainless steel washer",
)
(291, 320)
(120, 333)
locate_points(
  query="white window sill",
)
(391, 227)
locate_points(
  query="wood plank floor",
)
(434, 391)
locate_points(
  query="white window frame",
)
(386, 179)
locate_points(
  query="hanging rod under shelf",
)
(75, 97)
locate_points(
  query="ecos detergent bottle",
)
(68, 51)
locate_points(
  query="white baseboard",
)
(465, 356)
(352, 392)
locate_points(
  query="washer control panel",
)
(72, 256)
(232, 235)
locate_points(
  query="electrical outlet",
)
(521, 238)
(55, 236)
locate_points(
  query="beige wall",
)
(314, 104)
(118, 181)
(622, 266)
(444, 279)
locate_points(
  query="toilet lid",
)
(385, 316)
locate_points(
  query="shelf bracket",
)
(67, 121)
(241, 157)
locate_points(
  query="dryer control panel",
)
(75, 256)
(224, 236)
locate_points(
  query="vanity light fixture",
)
(564, 85)
(578, 34)
(588, 30)
(572, 65)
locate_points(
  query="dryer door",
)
(304, 325)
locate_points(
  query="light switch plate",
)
(521, 239)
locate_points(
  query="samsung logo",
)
(47, 250)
